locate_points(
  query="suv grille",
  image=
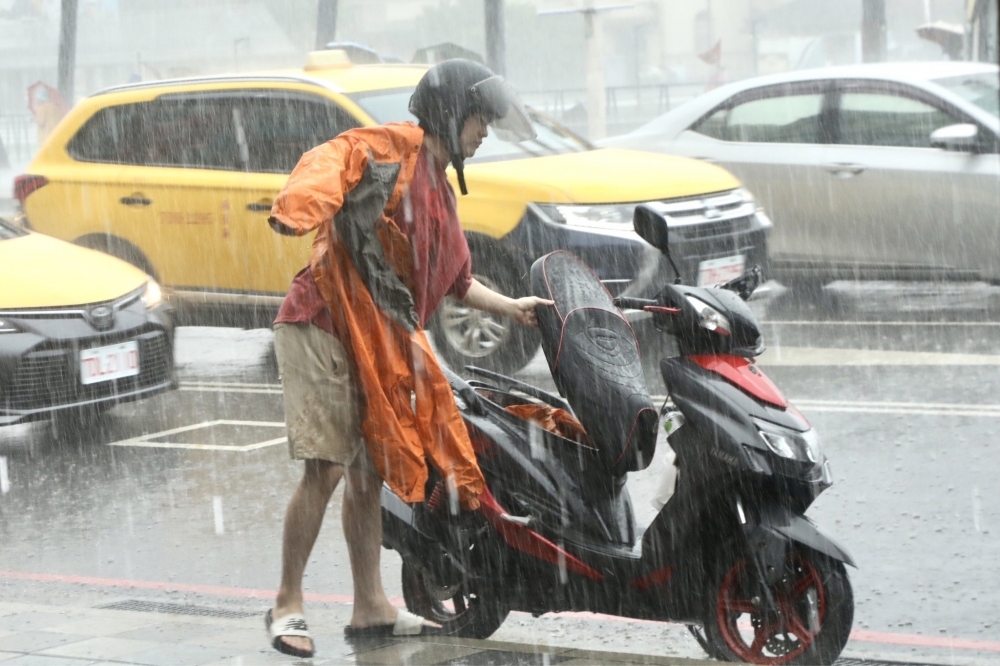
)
(711, 229)
(49, 377)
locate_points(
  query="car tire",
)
(119, 248)
(464, 336)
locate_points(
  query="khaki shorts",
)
(322, 403)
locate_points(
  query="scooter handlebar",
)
(628, 303)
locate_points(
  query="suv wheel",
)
(466, 336)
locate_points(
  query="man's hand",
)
(523, 309)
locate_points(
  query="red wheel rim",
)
(775, 642)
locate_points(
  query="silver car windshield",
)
(8, 231)
(980, 89)
(550, 137)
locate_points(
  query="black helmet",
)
(452, 91)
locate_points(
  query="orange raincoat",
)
(348, 189)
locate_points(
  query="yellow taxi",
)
(178, 176)
(79, 331)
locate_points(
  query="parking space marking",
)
(143, 441)
(230, 387)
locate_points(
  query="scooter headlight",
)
(710, 318)
(801, 446)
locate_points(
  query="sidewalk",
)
(74, 625)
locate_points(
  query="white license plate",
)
(102, 364)
(719, 271)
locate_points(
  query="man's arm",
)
(521, 310)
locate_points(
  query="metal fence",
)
(18, 140)
(627, 107)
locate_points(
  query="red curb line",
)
(861, 635)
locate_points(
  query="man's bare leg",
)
(303, 520)
(362, 518)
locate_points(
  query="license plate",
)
(102, 364)
(719, 271)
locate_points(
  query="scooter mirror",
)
(651, 225)
(650, 222)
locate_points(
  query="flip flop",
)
(293, 624)
(407, 624)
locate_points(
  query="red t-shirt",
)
(442, 265)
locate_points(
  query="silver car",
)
(877, 171)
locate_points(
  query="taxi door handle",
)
(260, 206)
(136, 199)
(845, 169)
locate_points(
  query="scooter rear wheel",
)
(817, 611)
(472, 614)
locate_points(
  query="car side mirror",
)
(962, 137)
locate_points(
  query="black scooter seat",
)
(594, 358)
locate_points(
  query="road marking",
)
(915, 408)
(873, 407)
(144, 441)
(878, 323)
(846, 406)
(230, 387)
(805, 356)
(862, 635)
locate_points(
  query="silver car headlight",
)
(801, 446)
(709, 318)
(604, 217)
(152, 295)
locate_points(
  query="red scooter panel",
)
(744, 375)
(528, 541)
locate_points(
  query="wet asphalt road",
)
(912, 438)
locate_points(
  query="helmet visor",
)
(502, 109)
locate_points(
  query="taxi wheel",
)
(120, 248)
(465, 336)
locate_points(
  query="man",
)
(364, 395)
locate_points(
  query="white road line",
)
(912, 408)
(200, 447)
(143, 441)
(239, 384)
(810, 356)
(809, 405)
(878, 323)
(912, 412)
(221, 387)
(912, 405)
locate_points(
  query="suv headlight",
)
(710, 318)
(604, 217)
(152, 296)
(7, 326)
(801, 446)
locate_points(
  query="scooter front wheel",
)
(461, 611)
(816, 606)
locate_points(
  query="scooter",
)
(731, 553)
